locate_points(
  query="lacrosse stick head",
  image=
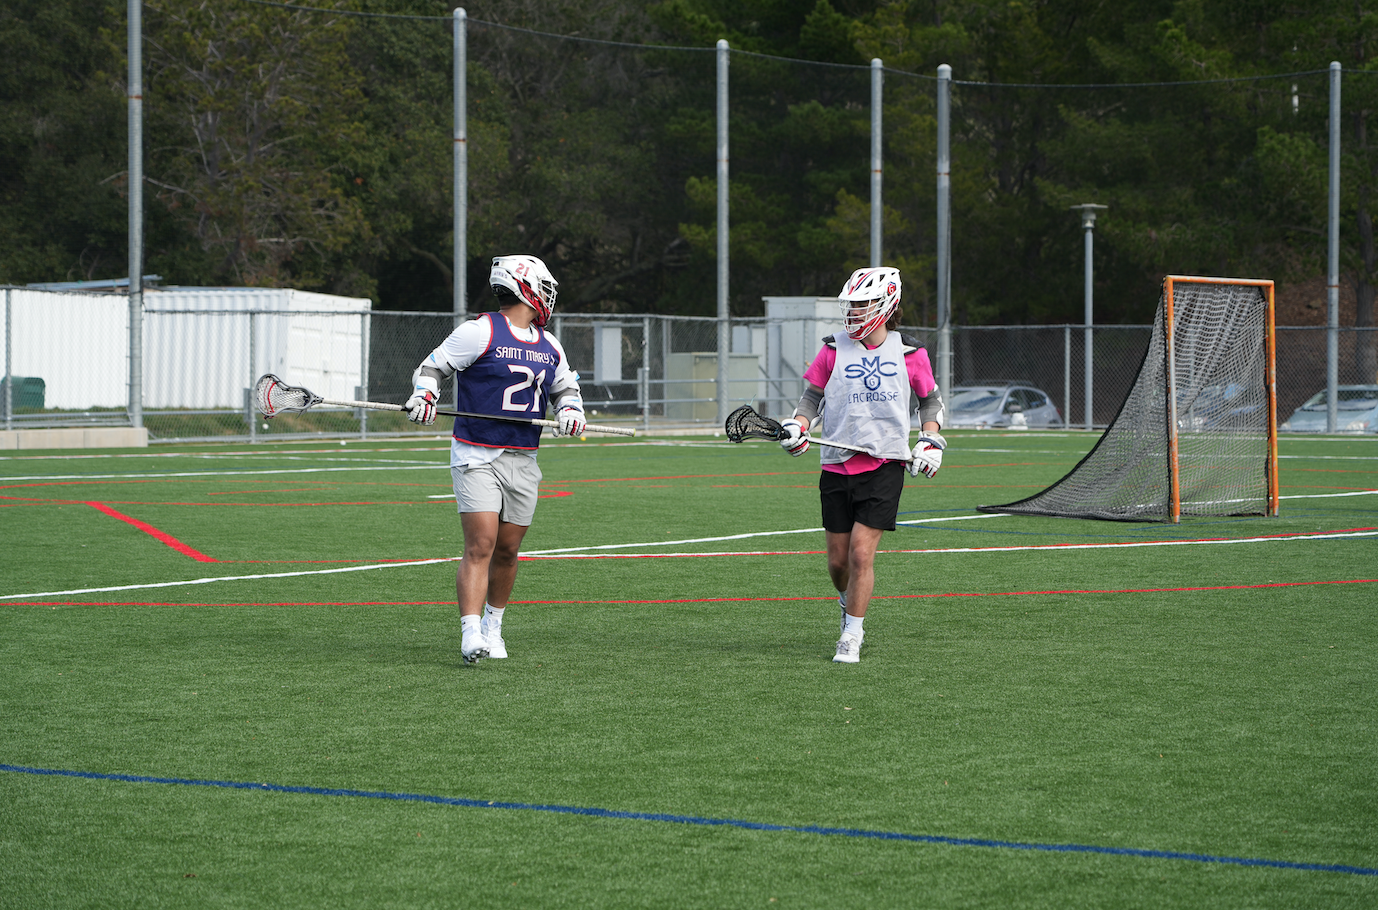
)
(274, 396)
(745, 422)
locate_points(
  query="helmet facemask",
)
(867, 300)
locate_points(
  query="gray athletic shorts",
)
(508, 486)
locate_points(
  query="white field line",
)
(1227, 502)
(362, 466)
(586, 555)
(673, 543)
(1056, 548)
(206, 581)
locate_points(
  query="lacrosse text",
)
(859, 397)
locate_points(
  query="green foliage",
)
(262, 112)
(309, 149)
(62, 149)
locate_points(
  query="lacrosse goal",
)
(1197, 433)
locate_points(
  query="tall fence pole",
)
(461, 166)
(944, 264)
(9, 367)
(365, 332)
(249, 402)
(877, 161)
(644, 374)
(1332, 286)
(134, 39)
(459, 268)
(724, 327)
(1067, 375)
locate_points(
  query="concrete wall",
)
(76, 438)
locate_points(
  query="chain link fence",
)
(67, 364)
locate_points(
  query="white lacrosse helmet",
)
(529, 279)
(879, 289)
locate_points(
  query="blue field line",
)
(697, 820)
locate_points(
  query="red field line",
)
(153, 532)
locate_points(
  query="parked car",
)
(1357, 411)
(1223, 407)
(1000, 404)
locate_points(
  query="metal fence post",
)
(1088, 225)
(134, 38)
(944, 264)
(1066, 375)
(724, 328)
(364, 325)
(9, 367)
(459, 272)
(461, 166)
(1332, 286)
(645, 374)
(877, 161)
(253, 365)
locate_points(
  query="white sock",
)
(469, 623)
(493, 615)
(853, 626)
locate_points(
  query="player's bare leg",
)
(851, 563)
(861, 567)
(502, 569)
(471, 578)
(839, 550)
(839, 547)
(484, 581)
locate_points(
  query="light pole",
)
(1088, 223)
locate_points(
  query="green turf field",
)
(231, 678)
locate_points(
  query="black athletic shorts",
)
(872, 498)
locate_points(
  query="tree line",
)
(288, 147)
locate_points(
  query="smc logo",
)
(870, 370)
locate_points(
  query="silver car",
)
(1000, 404)
(1357, 411)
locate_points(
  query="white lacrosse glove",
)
(421, 405)
(571, 418)
(797, 442)
(927, 456)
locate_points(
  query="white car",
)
(1356, 412)
(1000, 404)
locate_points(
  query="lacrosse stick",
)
(273, 396)
(745, 422)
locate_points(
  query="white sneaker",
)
(497, 648)
(473, 647)
(848, 650)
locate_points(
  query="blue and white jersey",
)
(503, 371)
(511, 378)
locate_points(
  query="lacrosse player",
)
(860, 382)
(508, 365)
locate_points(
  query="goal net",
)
(1197, 433)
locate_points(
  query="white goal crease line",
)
(429, 562)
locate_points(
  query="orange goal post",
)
(1197, 434)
